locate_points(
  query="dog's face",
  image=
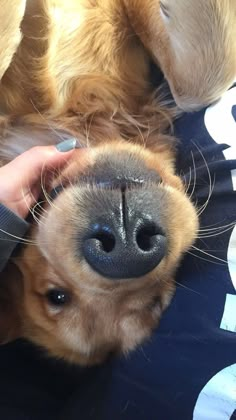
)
(107, 248)
(194, 43)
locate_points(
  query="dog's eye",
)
(164, 10)
(58, 297)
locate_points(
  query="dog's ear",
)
(11, 297)
(11, 15)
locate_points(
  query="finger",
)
(29, 166)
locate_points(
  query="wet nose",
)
(123, 248)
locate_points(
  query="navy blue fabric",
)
(162, 379)
(234, 112)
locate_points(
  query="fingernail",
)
(66, 145)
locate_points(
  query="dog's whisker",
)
(214, 234)
(44, 119)
(216, 229)
(144, 354)
(211, 183)
(189, 181)
(205, 259)
(189, 289)
(18, 238)
(45, 193)
(208, 254)
(177, 283)
(202, 208)
(194, 176)
(30, 209)
(211, 189)
(39, 205)
(88, 130)
(38, 215)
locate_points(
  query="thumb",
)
(30, 165)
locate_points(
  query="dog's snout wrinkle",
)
(124, 208)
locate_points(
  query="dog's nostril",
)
(146, 237)
(124, 249)
(107, 241)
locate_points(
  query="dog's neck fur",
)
(103, 85)
(101, 46)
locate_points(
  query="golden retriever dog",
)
(97, 269)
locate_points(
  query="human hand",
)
(20, 180)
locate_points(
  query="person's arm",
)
(12, 229)
(20, 187)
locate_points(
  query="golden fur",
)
(81, 68)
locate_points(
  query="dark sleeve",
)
(12, 228)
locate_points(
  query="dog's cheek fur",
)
(79, 333)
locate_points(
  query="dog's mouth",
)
(119, 183)
(115, 184)
(119, 172)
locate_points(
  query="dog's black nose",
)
(124, 247)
